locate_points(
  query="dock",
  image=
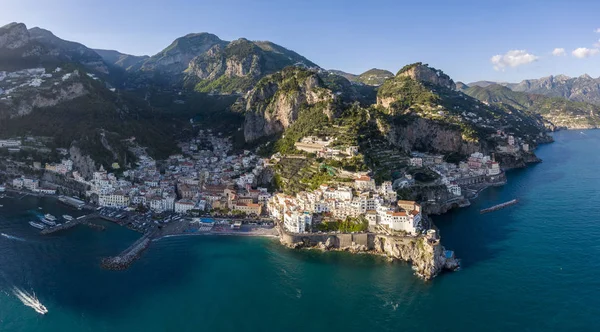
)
(68, 225)
(128, 256)
(499, 206)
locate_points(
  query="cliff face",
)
(424, 73)
(82, 162)
(427, 255)
(13, 36)
(273, 105)
(426, 135)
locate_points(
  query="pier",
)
(125, 258)
(499, 206)
(68, 225)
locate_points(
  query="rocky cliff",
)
(423, 73)
(274, 104)
(423, 111)
(13, 36)
(423, 134)
(427, 256)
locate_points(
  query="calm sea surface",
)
(531, 267)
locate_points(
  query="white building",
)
(364, 183)
(184, 205)
(454, 189)
(416, 162)
(297, 222)
(118, 200)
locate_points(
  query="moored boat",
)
(67, 217)
(37, 225)
(47, 221)
(50, 217)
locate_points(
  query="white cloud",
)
(597, 45)
(513, 59)
(597, 30)
(559, 52)
(584, 52)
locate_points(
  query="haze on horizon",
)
(470, 40)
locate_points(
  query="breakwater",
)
(128, 256)
(499, 206)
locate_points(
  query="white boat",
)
(37, 225)
(47, 222)
(30, 300)
(67, 217)
(50, 217)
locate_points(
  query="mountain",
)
(482, 84)
(54, 88)
(423, 111)
(348, 76)
(176, 57)
(121, 60)
(206, 63)
(582, 89)
(374, 76)
(236, 67)
(67, 50)
(559, 111)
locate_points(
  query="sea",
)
(534, 266)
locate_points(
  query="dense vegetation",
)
(348, 225)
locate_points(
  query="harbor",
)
(499, 206)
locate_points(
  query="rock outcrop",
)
(82, 162)
(424, 73)
(426, 135)
(427, 256)
(14, 36)
(273, 105)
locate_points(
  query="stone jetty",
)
(499, 206)
(125, 258)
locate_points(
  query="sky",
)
(502, 40)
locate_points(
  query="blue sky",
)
(459, 37)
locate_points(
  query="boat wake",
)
(12, 237)
(30, 300)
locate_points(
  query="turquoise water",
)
(532, 267)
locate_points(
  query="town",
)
(207, 178)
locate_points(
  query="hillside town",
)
(207, 177)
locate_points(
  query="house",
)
(364, 183)
(248, 208)
(115, 199)
(297, 222)
(184, 205)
